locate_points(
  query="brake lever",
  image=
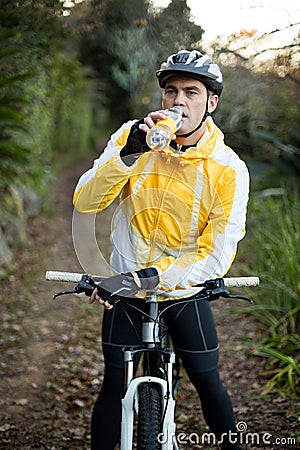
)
(86, 285)
(216, 288)
(240, 297)
(69, 291)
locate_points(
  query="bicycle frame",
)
(158, 372)
(151, 340)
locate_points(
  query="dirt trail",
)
(51, 364)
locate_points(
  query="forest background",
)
(71, 73)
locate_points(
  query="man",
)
(181, 215)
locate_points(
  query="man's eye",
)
(170, 92)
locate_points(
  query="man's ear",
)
(212, 102)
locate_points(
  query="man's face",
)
(191, 95)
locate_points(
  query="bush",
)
(13, 155)
(45, 123)
(58, 117)
(277, 305)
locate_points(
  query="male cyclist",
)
(181, 215)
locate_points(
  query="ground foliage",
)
(51, 366)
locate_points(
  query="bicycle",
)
(149, 399)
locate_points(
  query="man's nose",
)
(179, 99)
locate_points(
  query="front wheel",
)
(149, 416)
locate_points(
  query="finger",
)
(154, 116)
(94, 296)
(144, 127)
(149, 122)
(106, 304)
(162, 113)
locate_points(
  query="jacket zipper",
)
(158, 215)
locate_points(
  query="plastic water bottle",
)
(159, 136)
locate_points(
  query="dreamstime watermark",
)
(241, 437)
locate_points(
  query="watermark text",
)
(241, 437)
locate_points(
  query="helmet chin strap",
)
(197, 128)
(206, 114)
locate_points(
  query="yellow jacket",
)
(182, 214)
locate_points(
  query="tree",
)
(125, 43)
(37, 23)
(44, 110)
(175, 29)
(132, 73)
(259, 52)
(13, 155)
(31, 33)
(260, 105)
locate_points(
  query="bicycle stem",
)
(150, 332)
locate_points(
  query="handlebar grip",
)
(241, 282)
(63, 276)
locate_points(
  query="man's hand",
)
(108, 291)
(95, 297)
(124, 285)
(152, 118)
(136, 142)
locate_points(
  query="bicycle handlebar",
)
(76, 277)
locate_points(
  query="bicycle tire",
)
(149, 416)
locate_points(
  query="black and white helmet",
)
(191, 64)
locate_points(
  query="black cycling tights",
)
(193, 333)
(216, 407)
(106, 419)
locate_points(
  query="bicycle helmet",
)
(192, 64)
